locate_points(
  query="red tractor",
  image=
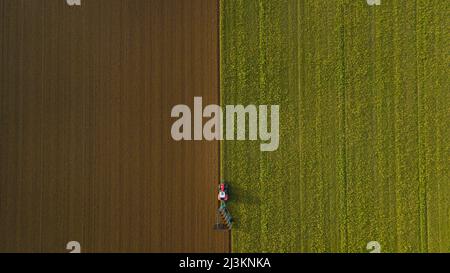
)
(223, 192)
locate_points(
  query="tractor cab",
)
(223, 192)
(222, 196)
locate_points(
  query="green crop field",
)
(364, 101)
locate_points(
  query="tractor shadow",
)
(241, 199)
